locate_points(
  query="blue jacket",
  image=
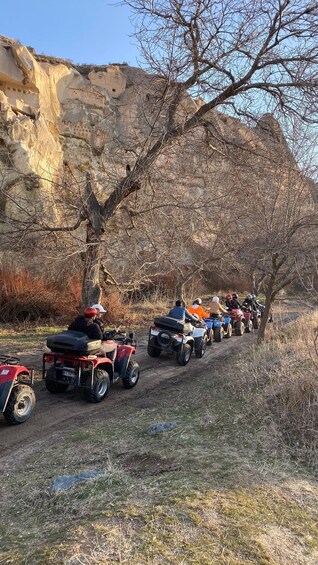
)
(181, 313)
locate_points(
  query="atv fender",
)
(124, 353)
(105, 364)
(8, 377)
(198, 332)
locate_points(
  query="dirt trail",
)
(55, 415)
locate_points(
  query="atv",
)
(17, 398)
(249, 317)
(220, 326)
(168, 334)
(237, 320)
(77, 361)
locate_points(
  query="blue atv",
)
(218, 327)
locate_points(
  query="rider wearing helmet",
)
(250, 302)
(198, 309)
(216, 308)
(235, 301)
(100, 312)
(232, 302)
(86, 324)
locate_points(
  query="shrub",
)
(25, 297)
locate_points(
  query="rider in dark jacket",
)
(250, 303)
(232, 302)
(85, 323)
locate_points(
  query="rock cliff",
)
(58, 121)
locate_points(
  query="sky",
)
(92, 32)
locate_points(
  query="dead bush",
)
(24, 297)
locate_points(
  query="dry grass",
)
(215, 490)
(24, 297)
(280, 380)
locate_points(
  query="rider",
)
(100, 312)
(180, 312)
(216, 308)
(235, 301)
(86, 324)
(198, 309)
(89, 324)
(250, 302)
(232, 302)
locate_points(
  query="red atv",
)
(238, 322)
(76, 360)
(17, 398)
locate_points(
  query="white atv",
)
(168, 334)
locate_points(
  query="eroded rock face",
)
(57, 122)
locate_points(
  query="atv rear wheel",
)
(100, 387)
(152, 349)
(184, 354)
(218, 333)
(200, 350)
(20, 404)
(54, 386)
(132, 375)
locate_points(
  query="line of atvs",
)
(168, 334)
(76, 361)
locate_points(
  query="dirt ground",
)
(55, 415)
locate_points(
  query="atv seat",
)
(170, 324)
(73, 342)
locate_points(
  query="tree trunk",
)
(180, 286)
(264, 319)
(91, 289)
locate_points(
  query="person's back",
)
(177, 312)
(198, 309)
(87, 326)
(216, 308)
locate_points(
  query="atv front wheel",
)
(184, 354)
(132, 375)
(20, 404)
(255, 323)
(152, 349)
(100, 387)
(54, 387)
(249, 327)
(200, 351)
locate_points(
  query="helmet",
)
(99, 308)
(196, 316)
(90, 312)
(234, 294)
(250, 297)
(253, 296)
(215, 299)
(229, 297)
(197, 301)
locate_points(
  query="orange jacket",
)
(199, 310)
